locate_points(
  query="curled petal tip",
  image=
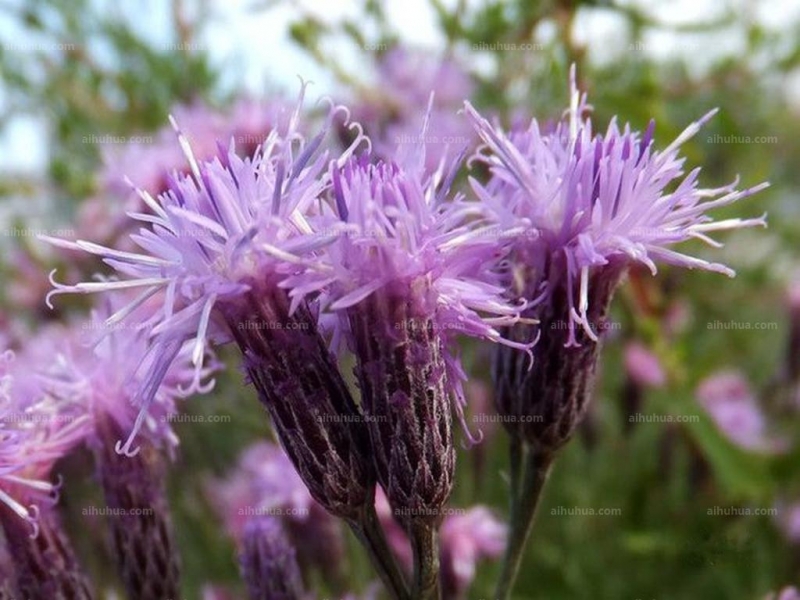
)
(33, 520)
(125, 450)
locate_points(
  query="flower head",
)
(37, 428)
(205, 241)
(586, 200)
(734, 408)
(643, 367)
(401, 236)
(151, 162)
(264, 483)
(467, 538)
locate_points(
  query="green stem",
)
(369, 532)
(524, 502)
(516, 453)
(425, 546)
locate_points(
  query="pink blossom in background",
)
(394, 110)
(265, 482)
(787, 593)
(733, 407)
(466, 538)
(788, 520)
(643, 367)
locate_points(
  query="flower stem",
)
(369, 532)
(425, 546)
(524, 502)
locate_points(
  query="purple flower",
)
(787, 593)
(467, 538)
(265, 483)
(404, 242)
(150, 162)
(788, 519)
(36, 429)
(578, 210)
(206, 241)
(408, 274)
(393, 112)
(583, 200)
(734, 408)
(44, 565)
(643, 367)
(267, 561)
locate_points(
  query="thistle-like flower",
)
(215, 246)
(150, 163)
(108, 373)
(582, 208)
(36, 430)
(268, 563)
(266, 485)
(408, 275)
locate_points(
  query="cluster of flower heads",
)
(334, 231)
(326, 223)
(294, 216)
